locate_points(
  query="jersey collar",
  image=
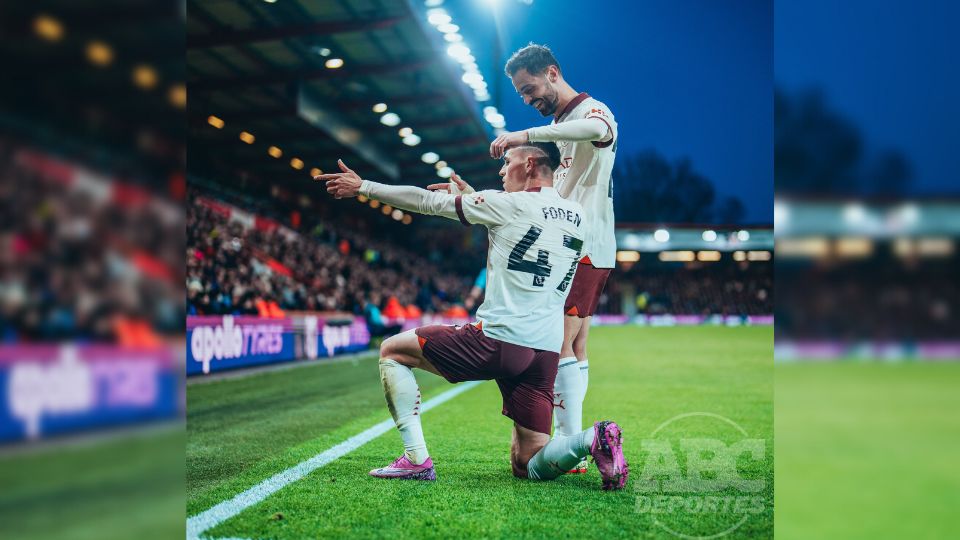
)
(570, 106)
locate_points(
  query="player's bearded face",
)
(547, 104)
(537, 91)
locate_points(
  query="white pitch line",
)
(209, 519)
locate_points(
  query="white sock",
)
(403, 400)
(567, 399)
(584, 378)
(560, 455)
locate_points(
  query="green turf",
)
(243, 431)
(127, 486)
(867, 450)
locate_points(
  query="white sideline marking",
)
(209, 519)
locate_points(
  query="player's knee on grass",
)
(519, 460)
(526, 443)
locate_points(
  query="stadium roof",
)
(100, 82)
(308, 78)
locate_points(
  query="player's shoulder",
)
(489, 196)
(593, 106)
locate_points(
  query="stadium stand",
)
(242, 264)
(884, 298)
(724, 287)
(84, 257)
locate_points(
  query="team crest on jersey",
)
(478, 199)
(596, 111)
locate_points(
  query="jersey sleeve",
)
(491, 208)
(602, 112)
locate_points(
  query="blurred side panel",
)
(92, 162)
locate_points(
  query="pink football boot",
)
(607, 452)
(403, 469)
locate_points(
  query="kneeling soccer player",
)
(535, 242)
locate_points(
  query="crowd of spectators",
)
(882, 298)
(724, 287)
(74, 266)
(232, 269)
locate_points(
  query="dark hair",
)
(533, 58)
(547, 153)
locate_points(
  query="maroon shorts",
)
(525, 375)
(585, 290)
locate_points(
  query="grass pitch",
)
(867, 450)
(243, 431)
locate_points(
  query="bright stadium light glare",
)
(390, 119)
(433, 3)
(453, 38)
(440, 164)
(448, 28)
(743, 236)
(909, 213)
(458, 51)
(438, 16)
(468, 59)
(404, 131)
(472, 78)
(661, 235)
(334, 63)
(99, 53)
(397, 214)
(482, 96)
(709, 236)
(411, 140)
(380, 107)
(48, 28)
(145, 77)
(499, 131)
(781, 214)
(472, 67)
(498, 123)
(854, 213)
(430, 157)
(445, 172)
(488, 110)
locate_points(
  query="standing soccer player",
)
(586, 133)
(535, 241)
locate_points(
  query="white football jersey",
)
(585, 175)
(536, 239)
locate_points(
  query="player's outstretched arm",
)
(410, 198)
